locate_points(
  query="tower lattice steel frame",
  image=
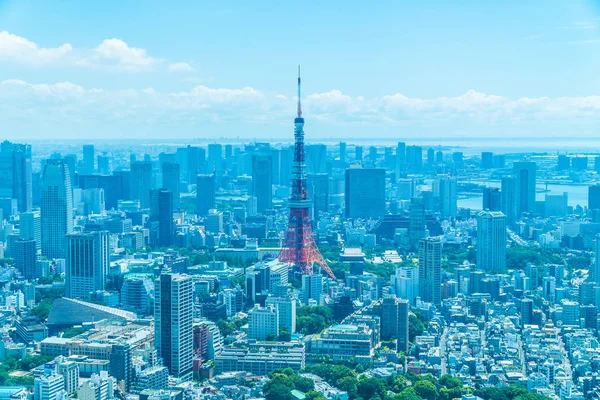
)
(299, 248)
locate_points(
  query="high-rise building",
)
(103, 165)
(56, 208)
(492, 199)
(69, 370)
(525, 173)
(596, 272)
(87, 262)
(365, 192)
(263, 323)
(262, 181)
(88, 158)
(316, 158)
(430, 269)
(487, 160)
(206, 191)
(491, 241)
(318, 191)
(15, 174)
(30, 227)
(215, 157)
(213, 222)
(141, 182)
(448, 197)
(394, 321)
(358, 153)
(508, 202)
(49, 387)
(286, 311)
(171, 181)
(173, 309)
(416, 220)
(24, 253)
(161, 211)
(343, 153)
(312, 288)
(594, 197)
(121, 363)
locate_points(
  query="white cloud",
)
(17, 48)
(202, 104)
(533, 37)
(181, 67)
(126, 57)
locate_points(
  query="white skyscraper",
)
(87, 262)
(406, 283)
(49, 387)
(286, 308)
(173, 307)
(491, 241)
(263, 323)
(56, 208)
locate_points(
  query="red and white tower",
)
(299, 248)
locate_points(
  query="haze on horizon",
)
(154, 70)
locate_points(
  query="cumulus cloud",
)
(17, 48)
(181, 67)
(109, 54)
(202, 104)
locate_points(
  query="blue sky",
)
(73, 69)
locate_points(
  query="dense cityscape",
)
(297, 270)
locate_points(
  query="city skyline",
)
(398, 71)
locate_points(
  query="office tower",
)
(365, 192)
(416, 220)
(579, 163)
(594, 275)
(88, 158)
(173, 307)
(400, 158)
(430, 156)
(171, 181)
(405, 188)
(136, 295)
(30, 227)
(87, 262)
(215, 157)
(318, 191)
(56, 209)
(414, 157)
(430, 266)
(141, 182)
(394, 321)
(358, 153)
(448, 197)
(405, 283)
(24, 253)
(263, 323)
(316, 158)
(525, 173)
(526, 311)
(299, 248)
(49, 387)
(555, 205)
(262, 181)
(213, 222)
(312, 288)
(286, 311)
(491, 241)
(343, 153)
(508, 195)
(594, 197)
(15, 174)
(103, 165)
(206, 193)
(487, 160)
(121, 364)
(563, 162)
(457, 158)
(161, 211)
(492, 199)
(373, 154)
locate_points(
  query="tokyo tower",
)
(299, 248)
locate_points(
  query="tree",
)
(302, 384)
(284, 335)
(30, 362)
(348, 384)
(415, 327)
(408, 394)
(426, 389)
(42, 310)
(370, 387)
(450, 381)
(279, 387)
